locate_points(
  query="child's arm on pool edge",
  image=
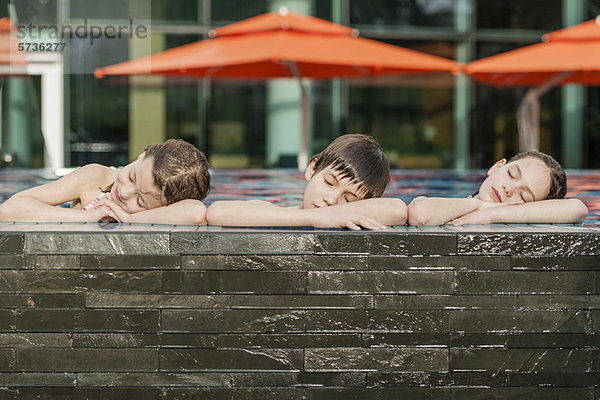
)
(555, 211)
(369, 213)
(439, 211)
(184, 212)
(39, 204)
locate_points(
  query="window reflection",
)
(403, 12)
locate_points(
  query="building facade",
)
(427, 121)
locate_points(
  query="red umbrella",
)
(569, 55)
(284, 44)
(12, 59)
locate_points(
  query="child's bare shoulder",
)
(96, 173)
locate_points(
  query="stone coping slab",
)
(135, 239)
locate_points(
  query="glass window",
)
(412, 123)
(411, 115)
(518, 14)
(182, 96)
(403, 13)
(237, 125)
(99, 120)
(33, 11)
(592, 8)
(110, 10)
(591, 134)
(494, 132)
(21, 133)
(227, 11)
(175, 12)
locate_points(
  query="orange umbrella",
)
(12, 60)
(569, 55)
(284, 44)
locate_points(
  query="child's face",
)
(524, 180)
(328, 188)
(134, 190)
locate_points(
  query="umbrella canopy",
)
(569, 55)
(12, 60)
(575, 49)
(284, 44)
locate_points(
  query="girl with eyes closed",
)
(529, 188)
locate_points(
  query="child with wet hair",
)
(345, 182)
(166, 184)
(528, 188)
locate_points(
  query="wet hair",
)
(180, 170)
(359, 158)
(558, 178)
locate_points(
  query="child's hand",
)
(327, 218)
(100, 213)
(114, 210)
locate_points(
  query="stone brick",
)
(234, 321)
(524, 282)
(530, 244)
(242, 243)
(311, 301)
(378, 393)
(420, 262)
(383, 359)
(8, 360)
(573, 263)
(259, 282)
(160, 379)
(96, 243)
(320, 262)
(441, 302)
(87, 360)
(32, 379)
(376, 321)
(153, 340)
(436, 379)
(88, 321)
(234, 393)
(529, 393)
(508, 321)
(8, 281)
(230, 359)
(296, 379)
(29, 340)
(521, 360)
(57, 261)
(381, 282)
(16, 261)
(288, 341)
(138, 261)
(111, 300)
(90, 393)
(11, 243)
(85, 281)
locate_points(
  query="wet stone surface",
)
(159, 312)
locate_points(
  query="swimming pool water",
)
(285, 186)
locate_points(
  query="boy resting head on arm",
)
(345, 182)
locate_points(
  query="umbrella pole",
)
(305, 140)
(303, 155)
(528, 113)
